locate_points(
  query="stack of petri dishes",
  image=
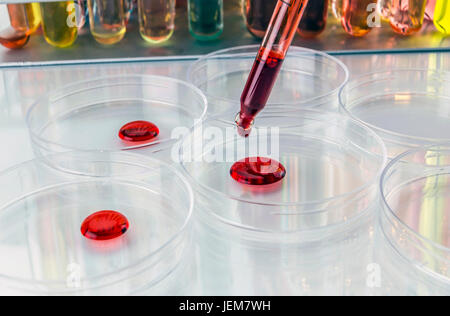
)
(44, 203)
(89, 115)
(301, 235)
(415, 219)
(309, 225)
(332, 165)
(99, 212)
(409, 109)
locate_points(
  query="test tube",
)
(429, 11)
(81, 13)
(258, 14)
(59, 23)
(128, 6)
(156, 19)
(33, 15)
(355, 15)
(14, 28)
(107, 20)
(205, 18)
(405, 16)
(442, 16)
(314, 19)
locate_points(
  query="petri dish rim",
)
(70, 87)
(164, 247)
(387, 208)
(232, 52)
(406, 140)
(360, 189)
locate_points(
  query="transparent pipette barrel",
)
(283, 26)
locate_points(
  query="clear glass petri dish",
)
(43, 206)
(408, 108)
(308, 78)
(332, 164)
(232, 262)
(399, 277)
(416, 209)
(88, 115)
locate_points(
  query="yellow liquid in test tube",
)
(34, 16)
(59, 23)
(442, 16)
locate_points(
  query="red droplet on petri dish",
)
(257, 171)
(138, 131)
(104, 225)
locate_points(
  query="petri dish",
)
(88, 115)
(408, 108)
(233, 263)
(308, 78)
(43, 206)
(332, 167)
(399, 277)
(416, 215)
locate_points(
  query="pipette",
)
(280, 33)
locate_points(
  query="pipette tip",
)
(243, 129)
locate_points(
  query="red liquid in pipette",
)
(267, 66)
(259, 85)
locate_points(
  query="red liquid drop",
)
(104, 225)
(138, 131)
(259, 86)
(257, 171)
